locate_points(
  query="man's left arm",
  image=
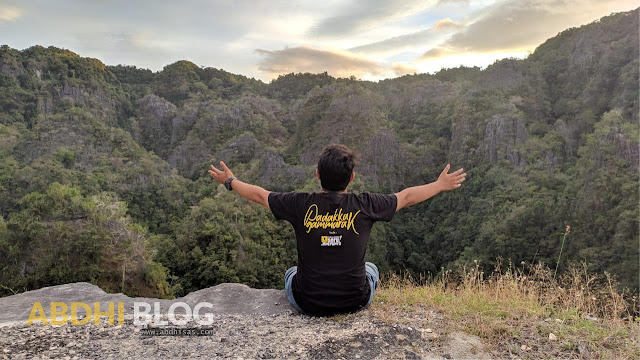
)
(250, 192)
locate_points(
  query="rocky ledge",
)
(245, 323)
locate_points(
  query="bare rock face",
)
(95, 100)
(337, 113)
(502, 134)
(70, 133)
(183, 122)
(584, 51)
(192, 154)
(380, 157)
(45, 105)
(462, 145)
(626, 148)
(623, 146)
(310, 157)
(58, 134)
(10, 66)
(504, 74)
(156, 124)
(243, 149)
(277, 174)
(202, 130)
(236, 117)
(426, 93)
(188, 156)
(420, 96)
(156, 107)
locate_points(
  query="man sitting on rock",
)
(332, 228)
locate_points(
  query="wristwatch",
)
(227, 183)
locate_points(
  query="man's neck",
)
(339, 192)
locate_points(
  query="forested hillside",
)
(103, 169)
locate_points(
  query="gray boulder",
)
(227, 299)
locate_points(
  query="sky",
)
(370, 39)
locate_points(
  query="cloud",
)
(460, 2)
(336, 63)
(436, 52)
(516, 25)
(10, 13)
(308, 59)
(403, 42)
(402, 69)
(366, 14)
(381, 37)
(447, 24)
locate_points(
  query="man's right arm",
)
(417, 194)
(250, 192)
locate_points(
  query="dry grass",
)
(515, 309)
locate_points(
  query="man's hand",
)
(247, 191)
(418, 194)
(450, 181)
(221, 175)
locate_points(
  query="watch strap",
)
(227, 183)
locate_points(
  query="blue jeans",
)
(373, 276)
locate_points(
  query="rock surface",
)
(246, 323)
(503, 134)
(226, 299)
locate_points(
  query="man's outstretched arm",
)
(250, 192)
(417, 194)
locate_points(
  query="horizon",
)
(372, 43)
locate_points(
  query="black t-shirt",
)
(332, 230)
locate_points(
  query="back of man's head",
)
(335, 166)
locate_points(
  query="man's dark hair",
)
(335, 166)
